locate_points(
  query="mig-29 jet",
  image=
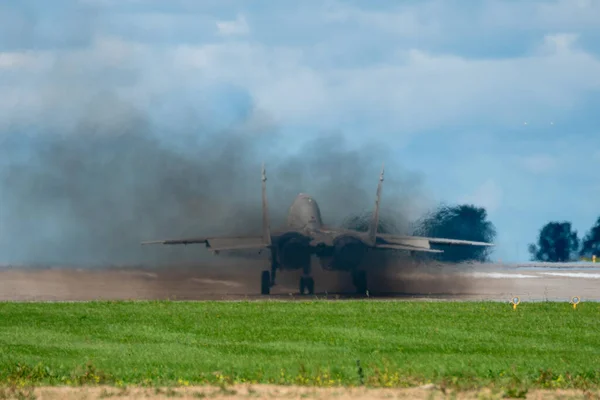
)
(304, 235)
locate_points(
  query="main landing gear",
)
(268, 279)
(307, 283)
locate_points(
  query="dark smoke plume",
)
(361, 221)
(112, 148)
(89, 196)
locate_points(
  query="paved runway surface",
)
(235, 280)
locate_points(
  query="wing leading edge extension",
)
(218, 243)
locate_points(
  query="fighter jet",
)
(304, 235)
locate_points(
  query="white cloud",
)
(404, 21)
(237, 27)
(539, 163)
(412, 90)
(574, 13)
(112, 3)
(559, 43)
(20, 60)
(419, 90)
(434, 20)
(488, 195)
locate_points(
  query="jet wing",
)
(407, 248)
(459, 242)
(422, 243)
(218, 243)
(327, 235)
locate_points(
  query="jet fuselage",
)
(304, 234)
(304, 222)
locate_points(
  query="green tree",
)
(465, 222)
(557, 242)
(591, 241)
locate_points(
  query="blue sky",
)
(491, 102)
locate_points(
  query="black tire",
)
(302, 285)
(310, 285)
(265, 282)
(361, 282)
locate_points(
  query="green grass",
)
(462, 344)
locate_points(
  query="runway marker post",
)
(515, 302)
(574, 301)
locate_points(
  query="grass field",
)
(457, 344)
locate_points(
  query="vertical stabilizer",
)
(266, 228)
(372, 234)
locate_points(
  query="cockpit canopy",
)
(304, 212)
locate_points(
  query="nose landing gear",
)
(307, 283)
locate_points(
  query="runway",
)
(232, 280)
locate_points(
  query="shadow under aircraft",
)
(304, 235)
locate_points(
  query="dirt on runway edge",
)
(276, 392)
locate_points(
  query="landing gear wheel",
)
(265, 282)
(360, 281)
(307, 284)
(310, 285)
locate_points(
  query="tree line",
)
(557, 241)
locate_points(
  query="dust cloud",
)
(225, 279)
(89, 196)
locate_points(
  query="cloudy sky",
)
(495, 103)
